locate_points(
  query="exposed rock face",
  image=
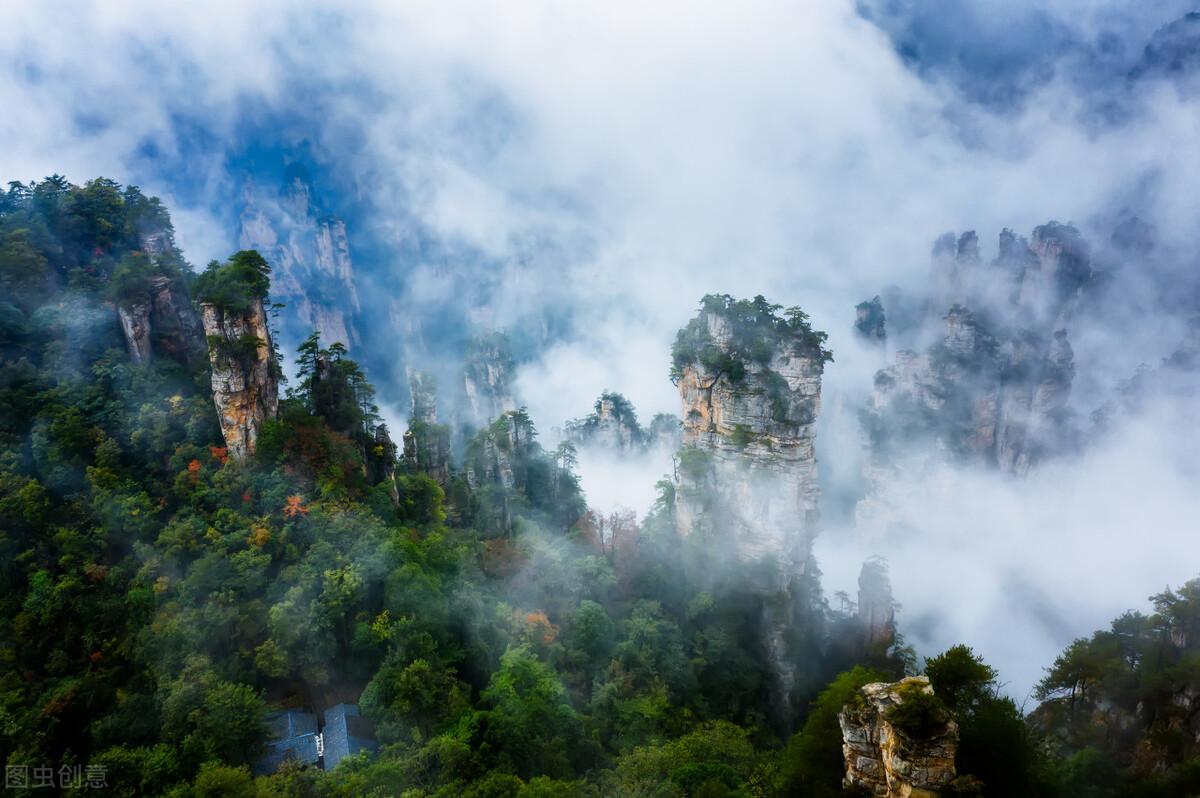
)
(750, 384)
(166, 324)
(135, 324)
(995, 388)
(383, 461)
(1002, 403)
(487, 379)
(426, 443)
(509, 434)
(493, 459)
(313, 273)
(613, 425)
(422, 391)
(751, 449)
(245, 378)
(870, 321)
(883, 760)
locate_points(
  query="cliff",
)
(613, 425)
(426, 443)
(487, 379)
(750, 386)
(166, 324)
(746, 483)
(245, 379)
(995, 388)
(313, 269)
(897, 742)
(870, 321)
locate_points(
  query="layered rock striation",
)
(245, 376)
(488, 371)
(746, 481)
(426, 442)
(995, 388)
(164, 323)
(314, 273)
(750, 385)
(891, 753)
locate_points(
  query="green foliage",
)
(530, 725)
(813, 763)
(1118, 691)
(756, 332)
(131, 279)
(235, 285)
(919, 714)
(157, 597)
(960, 678)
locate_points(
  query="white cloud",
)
(661, 152)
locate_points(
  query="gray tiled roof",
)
(292, 735)
(346, 733)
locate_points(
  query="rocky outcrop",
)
(135, 325)
(870, 321)
(426, 443)
(487, 379)
(160, 319)
(888, 758)
(1000, 403)
(995, 388)
(746, 480)
(382, 462)
(497, 461)
(748, 466)
(664, 432)
(613, 425)
(245, 376)
(313, 272)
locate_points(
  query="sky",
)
(612, 162)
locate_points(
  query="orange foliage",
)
(219, 453)
(539, 624)
(501, 558)
(194, 470)
(294, 507)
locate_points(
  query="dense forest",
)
(160, 595)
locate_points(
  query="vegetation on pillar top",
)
(757, 330)
(235, 285)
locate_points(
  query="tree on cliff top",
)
(235, 284)
(756, 332)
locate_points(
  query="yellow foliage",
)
(260, 535)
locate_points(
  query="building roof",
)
(346, 733)
(292, 735)
(290, 723)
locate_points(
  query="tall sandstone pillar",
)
(750, 383)
(245, 379)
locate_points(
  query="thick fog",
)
(613, 162)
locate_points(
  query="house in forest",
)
(293, 736)
(346, 733)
